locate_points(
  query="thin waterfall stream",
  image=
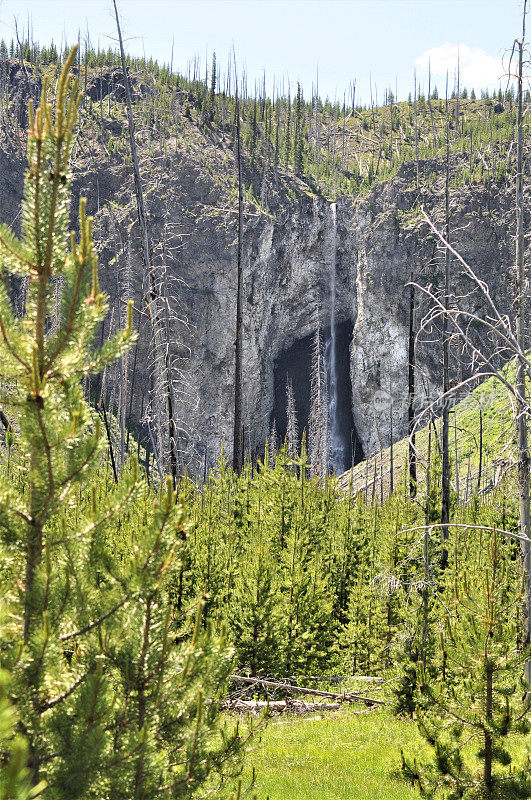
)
(296, 364)
(337, 445)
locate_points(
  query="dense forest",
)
(137, 594)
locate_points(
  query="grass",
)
(342, 757)
(490, 399)
(346, 756)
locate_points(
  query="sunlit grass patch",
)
(348, 756)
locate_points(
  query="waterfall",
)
(337, 445)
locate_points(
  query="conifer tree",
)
(307, 602)
(318, 422)
(108, 701)
(15, 783)
(417, 651)
(213, 80)
(298, 133)
(479, 699)
(287, 135)
(255, 618)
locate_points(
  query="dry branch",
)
(346, 697)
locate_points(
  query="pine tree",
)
(287, 135)
(307, 600)
(110, 692)
(292, 433)
(298, 133)
(213, 80)
(416, 653)
(15, 783)
(318, 422)
(480, 697)
(255, 618)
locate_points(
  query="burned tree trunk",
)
(237, 458)
(162, 377)
(445, 478)
(412, 455)
(521, 289)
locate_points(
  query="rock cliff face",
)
(288, 255)
(389, 245)
(287, 289)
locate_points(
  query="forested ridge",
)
(333, 146)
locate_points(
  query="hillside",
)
(483, 449)
(335, 148)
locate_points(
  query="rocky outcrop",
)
(381, 243)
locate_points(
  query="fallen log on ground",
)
(346, 697)
(342, 678)
(290, 705)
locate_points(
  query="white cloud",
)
(477, 68)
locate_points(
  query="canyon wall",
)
(382, 241)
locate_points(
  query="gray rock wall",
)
(381, 242)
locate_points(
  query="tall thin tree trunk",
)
(480, 467)
(521, 289)
(391, 449)
(133, 376)
(162, 376)
(457, 95)
(238, 390)
(445, 478)
(456, 453)
(417, 135)
(487, 731)
(426, 551)
(412, 455)
(391, 133)
(292, 433)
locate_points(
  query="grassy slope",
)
(363, 141)
(490, 404)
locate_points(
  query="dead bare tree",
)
(237, 457)
(412, 455)
(292, 432)
(417, 133)
(162, 377)
(520, 324)
(179, 391)
(273, 444)
(489, 358)
(426, 548)
(445, 477)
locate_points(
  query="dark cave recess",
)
(296, 363)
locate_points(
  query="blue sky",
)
(291, 39)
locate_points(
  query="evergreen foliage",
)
(112, 684)
(298, 148)
(113, 696)
(15, 783)
(478, 698)
(313, 582)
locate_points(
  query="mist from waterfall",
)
(338, 450)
